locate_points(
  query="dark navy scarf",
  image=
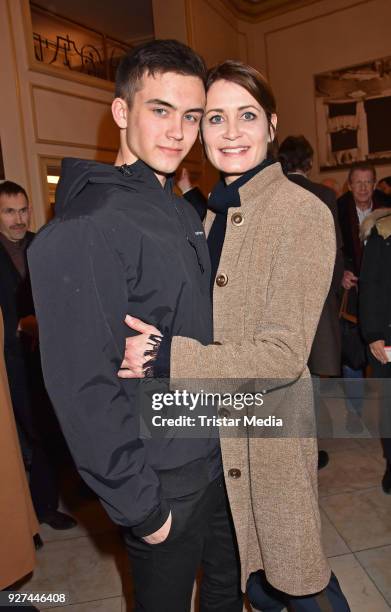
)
(223, 197)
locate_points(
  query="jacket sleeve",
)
(372, 305)
(298, 285)
(80, 291)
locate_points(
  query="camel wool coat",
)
(18, 523)
(273, 278)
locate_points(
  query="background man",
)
(353, 207)
(32, 410)
(121, 242)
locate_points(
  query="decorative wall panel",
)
(62, 118)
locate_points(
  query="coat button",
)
(223, 412)
(221, 279)
(237, 219)
(234, 473)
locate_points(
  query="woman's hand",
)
(136, 347)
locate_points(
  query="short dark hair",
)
(385, 179)
(361, 165)
(12, 189)
(253, 82)
(154, 57)
(296, 153)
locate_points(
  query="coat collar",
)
(381, 218)
(250, 193)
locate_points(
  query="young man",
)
(121, 242)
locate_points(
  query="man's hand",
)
(377, 350)
(136, 346)
(349, 280)
(161, 534)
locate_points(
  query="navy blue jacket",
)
(120, 244)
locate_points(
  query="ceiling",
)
(120, 19)
(258, 10)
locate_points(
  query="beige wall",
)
(207, 25)
(214, 31)
(169, 19)
(327, 35)
(44, 116)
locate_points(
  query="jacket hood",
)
(76, 173)
(381, 218)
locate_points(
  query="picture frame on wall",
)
(353, 110)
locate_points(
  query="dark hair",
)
(362, 165)
(156, 56)
(385, 179)
(296, 153)
(253, 82)
(12, 189)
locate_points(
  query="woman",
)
(272, 248)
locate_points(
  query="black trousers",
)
(384, 371)
(38, 430)
(201, 536)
